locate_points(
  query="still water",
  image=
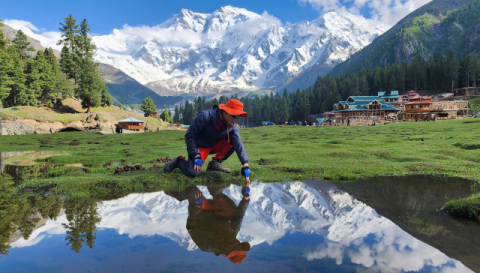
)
(380, 225)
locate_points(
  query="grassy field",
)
(87, 161)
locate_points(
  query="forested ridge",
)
(432, 30)
(29, 79)
(435, 75)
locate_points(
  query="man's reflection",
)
(214, 223)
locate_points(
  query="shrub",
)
(97, 117)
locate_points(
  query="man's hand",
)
(246, 172)
(198, 164)
(199, 198)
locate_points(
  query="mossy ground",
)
(277, 153)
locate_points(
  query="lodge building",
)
(364, 110)
(390, 106)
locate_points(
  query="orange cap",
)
(234, 107)
(237, 256)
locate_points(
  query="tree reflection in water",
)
(213, 224)
(82, 219)
(20, 213)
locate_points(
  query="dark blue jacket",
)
(203, 133)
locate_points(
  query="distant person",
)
(213, 131)
(348, 122)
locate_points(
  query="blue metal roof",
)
(131, 120)
(363, 108)
(386, 93)
(322, 120)
(365, 98)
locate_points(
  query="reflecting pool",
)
(312, 226)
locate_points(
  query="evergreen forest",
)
(436, 75)
(29, 78)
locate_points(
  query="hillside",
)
(11, 33)
(432, 29)
(126, 90)
(71, 114)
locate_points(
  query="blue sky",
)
(106, 15)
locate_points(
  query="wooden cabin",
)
(415, 107)
(449, 109)
(466, 91)
(131, 124)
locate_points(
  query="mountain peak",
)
(233, 48)
(186, 13)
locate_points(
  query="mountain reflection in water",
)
(286, 227)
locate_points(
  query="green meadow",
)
(82, 164)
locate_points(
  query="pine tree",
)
(148, 106)
(47, 78)
(363, 86)
(69, 40)
(452, 68)
(33, 86)
(106, 98)
(67, 65)
(20, 41)
(165, 116)
(90, 82)
(19, 95)
(6, 65)
(377, 80)
(475, 70)
(176, 117)
(90, 85)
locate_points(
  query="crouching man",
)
(213, 131)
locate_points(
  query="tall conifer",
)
(69, 40)
(452, 68)
(5, 65)
(20, 41)
(19, 94)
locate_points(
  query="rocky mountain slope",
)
(232, 49)
(433, 29)
(11, 33)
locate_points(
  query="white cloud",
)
(305, 30)
(386, 11)
(46, 38)
(20, 25)
(393, 11)
(129, 37)
(325, 5)
(394, 250)
(252, 27)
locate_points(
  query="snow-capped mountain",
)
(276, 209)
(231, 49)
